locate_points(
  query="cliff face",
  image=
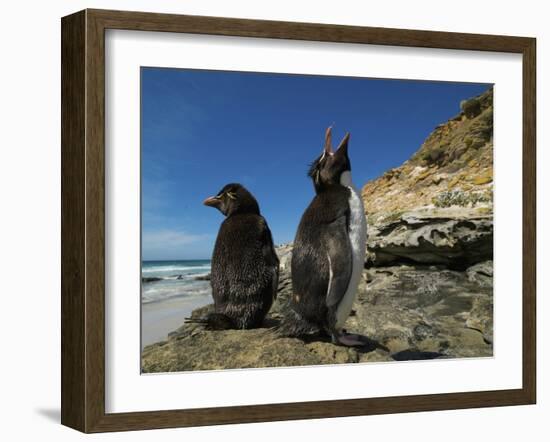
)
(427, 287)
(437, 207)
(453, 167)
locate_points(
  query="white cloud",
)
(171, 244)
(168, 237)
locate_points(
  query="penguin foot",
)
(350, 340)
(355, 340)
(213, 321)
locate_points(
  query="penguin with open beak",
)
(245, 267)
(329, 251)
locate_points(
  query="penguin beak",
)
(343, 147)
(212, 201)
(328, 142)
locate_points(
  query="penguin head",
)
(232, 199)
(331, 167)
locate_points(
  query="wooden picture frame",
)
(83, 220)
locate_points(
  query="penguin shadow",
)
(416, 355)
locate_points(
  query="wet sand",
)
(160, 318)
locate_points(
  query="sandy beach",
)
(170, 291)
(160, 318)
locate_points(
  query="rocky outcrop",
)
(426, 309)
(150, 279)
(456, 239)
(202, 277)
(192, 348)
(452, 168)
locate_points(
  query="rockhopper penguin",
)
(245, 267)
(329, 251)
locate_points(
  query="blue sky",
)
(203, 129)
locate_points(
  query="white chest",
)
(358, 241)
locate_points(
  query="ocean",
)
(177, 279)
(167, 301)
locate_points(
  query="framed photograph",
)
(267, 220)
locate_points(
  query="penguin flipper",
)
(339, 256)
(270, 257)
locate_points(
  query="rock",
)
(429, 237)
(375, 356)
(482, 273)
(284, 252)
(202, 277)
(425, 311)
(480, 317)
(214, 350)
(483, 179)
(150, 279)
